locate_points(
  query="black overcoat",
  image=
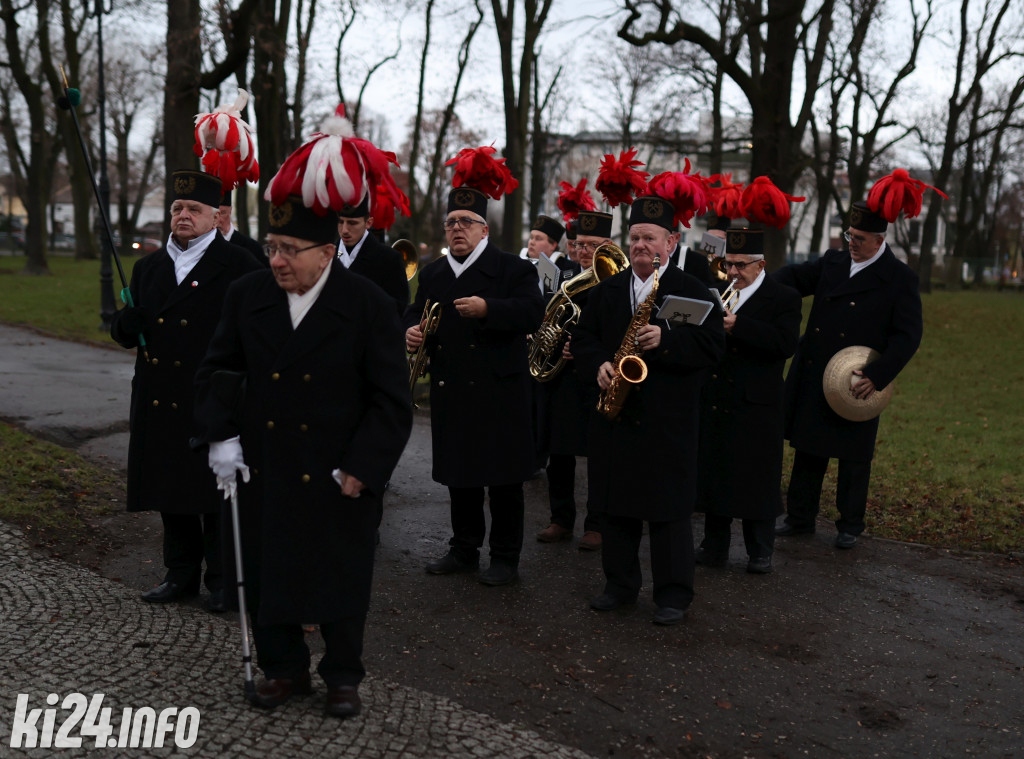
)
(385, 267)
(696, 263)
(480, 413)
(879, 307)
(332, 393)
(644, 463)
(249, 244)
(164, 474)
(741, 414)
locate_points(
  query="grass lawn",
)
(950, 453)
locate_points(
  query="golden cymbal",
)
(839, 378)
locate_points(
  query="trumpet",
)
(409, 256)
(718, 267)
(731, 295)
(430, 320)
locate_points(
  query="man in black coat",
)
(360, 251)
(178, 292)
(233, 236)
(324, 418)
(642, 464)
(740, 460)
(480, 415)
(691, 261)
(864, 296)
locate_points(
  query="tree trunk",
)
(181, 92)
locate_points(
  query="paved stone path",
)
(64, 630)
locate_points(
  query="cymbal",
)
(839, 378)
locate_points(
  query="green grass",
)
(950, 448)
(50, 491)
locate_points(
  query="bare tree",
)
(540, 154)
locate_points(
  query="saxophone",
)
(632, 370)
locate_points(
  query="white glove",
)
(226, 461)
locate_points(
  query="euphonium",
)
(730, 295)
(545, 355)
(410, 258)
(631, 369)
(430, 320)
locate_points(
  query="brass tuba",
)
(631, 369)
(430, 320)
(545, 351)
(410, 257)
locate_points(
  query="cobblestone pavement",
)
(64, 630)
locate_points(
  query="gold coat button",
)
(154, 361)
(441, 383)
(842, 334)
(177, 363)
(306, 378)
(714, 376)
(156, 402)
(184, 322)
(174, 405)
(160, 320)
(852, 303)
(817, 330)
(303, 428)
(472, 346)
(305, 478)
(270, 425)
(275, 376)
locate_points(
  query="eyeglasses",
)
(738, 265)
(461, 222)
(286, 251)
(859, 239)
(590, 247)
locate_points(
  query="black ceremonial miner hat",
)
(467, 199)
(651, 209)
(866, 220)
(198, 186)
(359, 211)
(594, 223)
(292, 218)
(744, 242)
(550, 227)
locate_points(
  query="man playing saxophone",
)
(642, 464)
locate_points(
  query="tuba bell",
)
(410, 257)
(545, 352)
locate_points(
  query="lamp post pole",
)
(107, 306)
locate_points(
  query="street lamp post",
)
(107, 306)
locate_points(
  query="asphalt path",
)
(888, 650)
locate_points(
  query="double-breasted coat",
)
(385, 267)
(741, 415)
(643, 463)
(480, 413)
(879, 307)
(329, 394)
(164, 474)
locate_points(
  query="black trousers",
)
(671, 559)
(469, 525)
(804, 495)
(562, 493)
(188, 540)
(282, 651)
(758, 535)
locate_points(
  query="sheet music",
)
(677, 310)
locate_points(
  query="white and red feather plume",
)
(334, 169)
(766, 204)
(898, 192)
(572, 200)
(479, 169)
(224, 143)
(685, 191)
(618, 180)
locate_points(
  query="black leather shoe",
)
(450, 564)
(787, 530)
(760, 565)
(499, 573)
(167, 592)
(342, 701)
(215, 603)
(846, 540)
(608, 602)
(668, 615)
(274, 692)
(708, 558)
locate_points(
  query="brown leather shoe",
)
(342, 701)
(274, 692)
(554, 533)
(591, 541)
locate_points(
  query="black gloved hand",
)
(134, 320)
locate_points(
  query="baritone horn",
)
(410, 257)
(545, 353)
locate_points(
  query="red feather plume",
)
(685, 191)
(572, 200)
(766, 204)
(224, 142)
(383, 207)
(618, 181)
(727, 198)
(898, 192)
(477, 168)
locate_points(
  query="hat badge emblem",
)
(184, 185)
(464, 198)
(280, 215)
(652, 209)
(737, 240)
(587, 223)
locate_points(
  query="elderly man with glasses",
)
(863, 296)
(743, 401)
(480, 414)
